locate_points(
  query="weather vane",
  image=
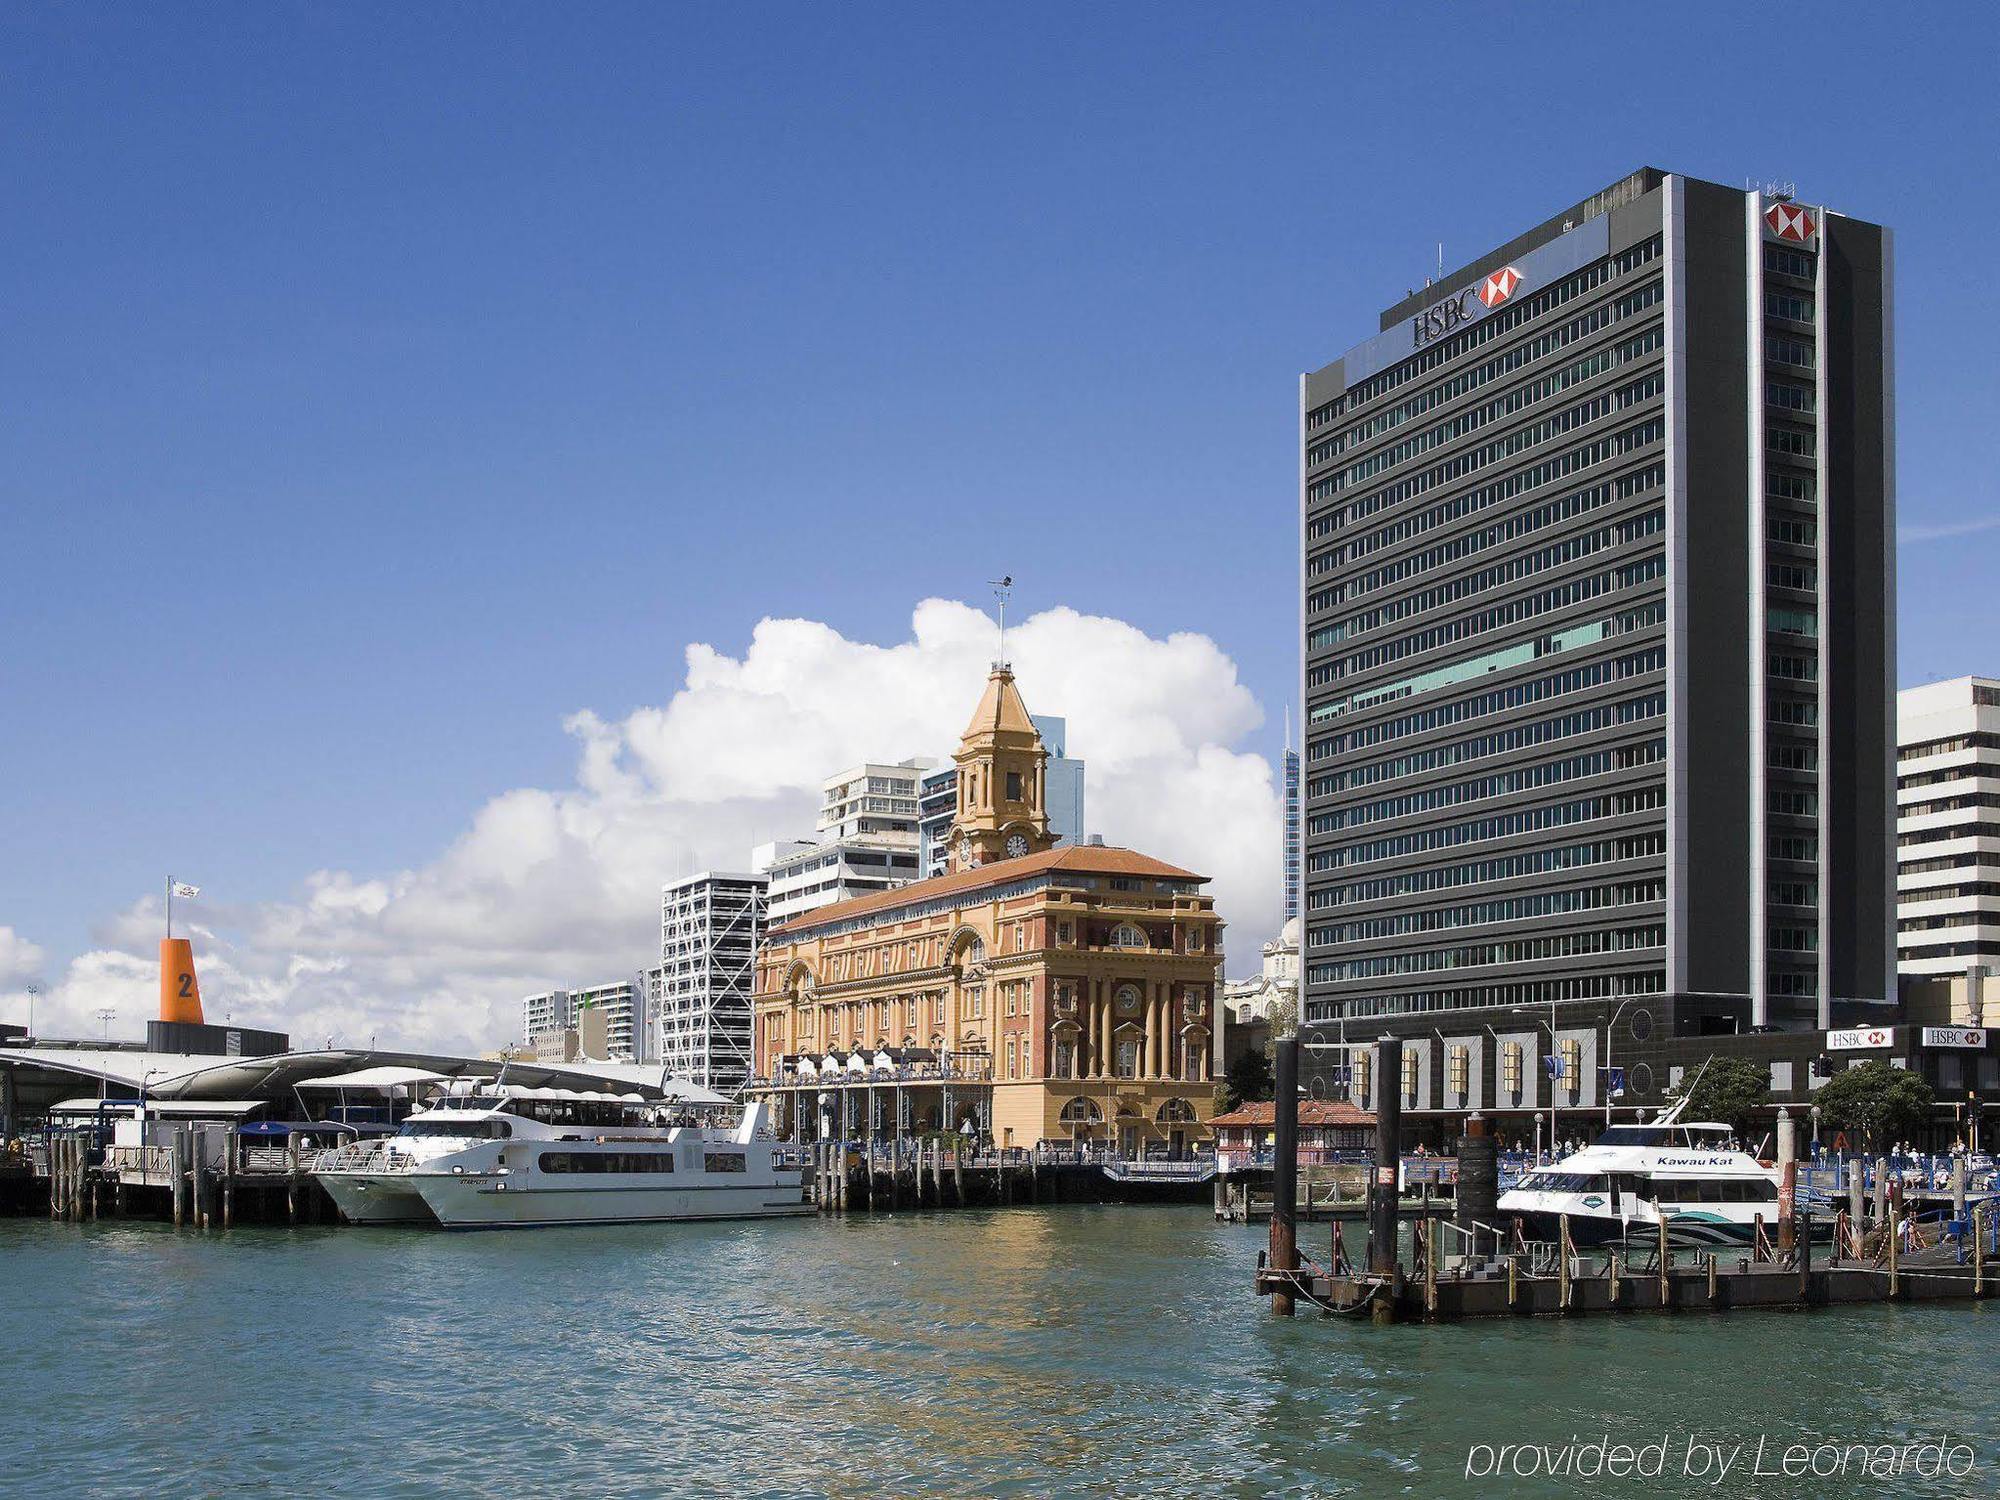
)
(1003, 589)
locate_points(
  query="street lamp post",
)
(1607, 1055)
(1555, 1050)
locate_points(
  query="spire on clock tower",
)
(1002, 780)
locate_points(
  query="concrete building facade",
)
(1948, 841)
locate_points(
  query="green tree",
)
(1880, 1104)
(1249, 1077)
(1729, 1091)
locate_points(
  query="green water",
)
(1032, 1351)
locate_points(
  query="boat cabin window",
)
(487, 1130)
(587, 1112)
(606, 1161)
(1714, 1190)
(726, 1161)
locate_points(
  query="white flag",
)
(187, 890)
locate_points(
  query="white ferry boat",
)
(509, 1156)
(1623, 1184)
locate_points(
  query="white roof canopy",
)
(388, 1076)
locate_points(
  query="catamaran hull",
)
(1587, 1233)
(376, 1197)
(465, 1202)
(1684, 1231)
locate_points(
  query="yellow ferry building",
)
(1030, 994)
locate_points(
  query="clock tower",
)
(1002, 790)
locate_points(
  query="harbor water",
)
(1054, 1351)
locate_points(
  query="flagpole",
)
(170, 906)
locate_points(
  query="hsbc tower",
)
(1598, 593)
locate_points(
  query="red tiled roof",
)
(1081, 859)
(1313, 1112)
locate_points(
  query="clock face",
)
(1017, 846)
(1128, 1001)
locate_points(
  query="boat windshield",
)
(1634, 1135)
(1711, 1137)
(474, 1129)
(1566, 1182)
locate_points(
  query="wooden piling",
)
(1284, 1247)
(1662, 1267)
(1895, 1243)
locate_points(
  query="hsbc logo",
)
(1435, 321)
(1858, 1039)
(1788, 221)
(1498, 287)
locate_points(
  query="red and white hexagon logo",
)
(1498, 287)
(1790, 222)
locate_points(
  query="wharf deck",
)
(1707, 1283)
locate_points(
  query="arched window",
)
(1125, 935)
(1176, 1112)
(1081, 1111)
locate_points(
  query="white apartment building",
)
(867, 842)
(821, 874)
(623, 1005)
(1948, 839)
(874, 802)
(544, 1015)
(710, 925)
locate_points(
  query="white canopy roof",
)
(197, 1108)
(54, 1071)
(387, 1076)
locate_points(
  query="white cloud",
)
(20, 960)
(562, 886)
(1938, 531)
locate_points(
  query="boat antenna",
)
(1672, 1114)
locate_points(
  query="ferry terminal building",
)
(1032, 993)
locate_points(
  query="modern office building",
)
(1293, 847)
(1948, 840)
(937, 797)
(710, 925)
(1598, 589)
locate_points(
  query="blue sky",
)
(381, 384)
